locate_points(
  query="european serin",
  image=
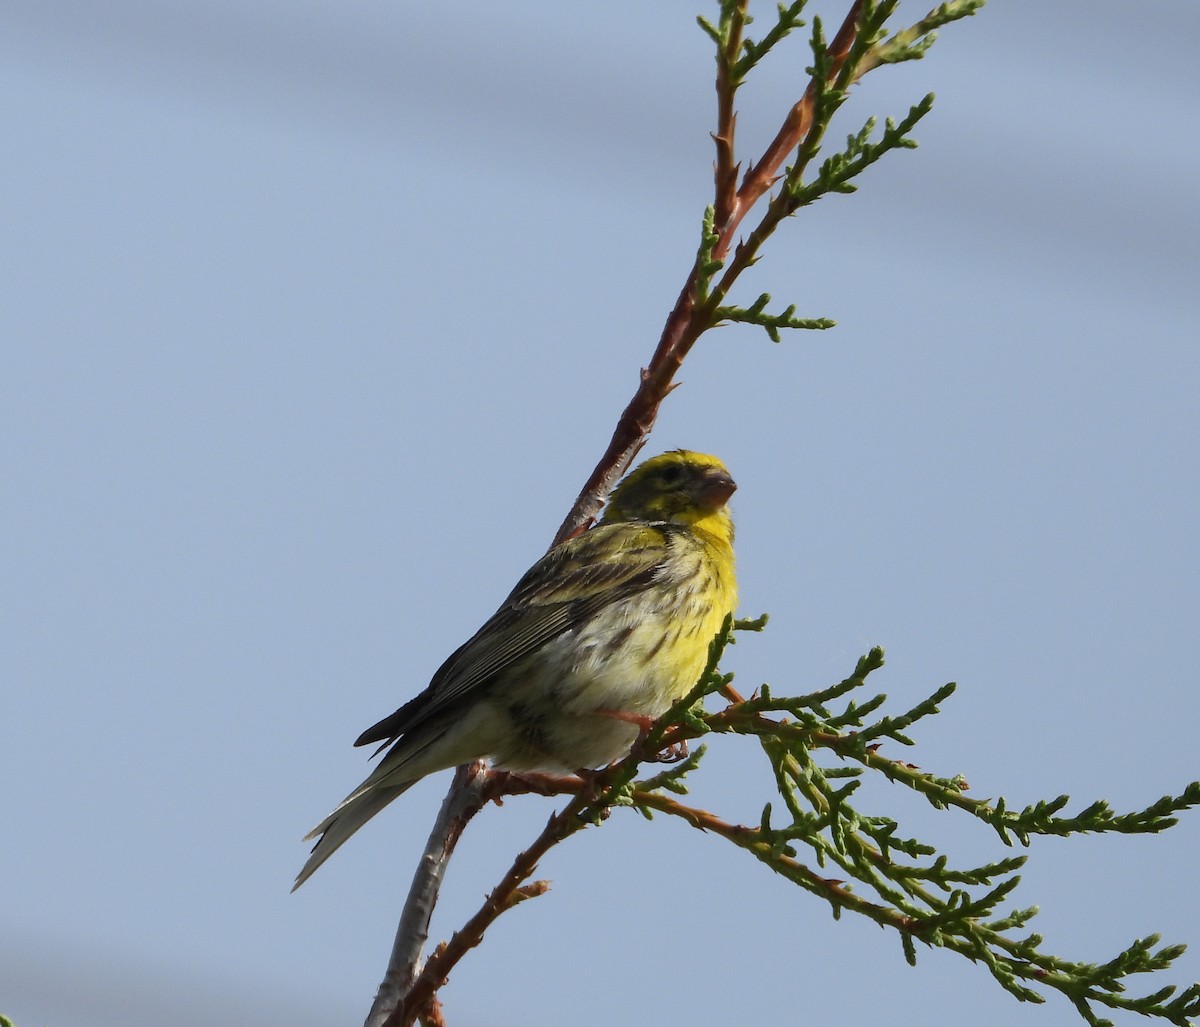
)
(598, 639)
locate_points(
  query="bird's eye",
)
(671, 475)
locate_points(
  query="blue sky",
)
(316, 318)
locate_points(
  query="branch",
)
(857, 47)
(800, 121)
(591, 801)
(687, 320)
(729, 45)
(511, 891)
(921, 898)
(466, 797)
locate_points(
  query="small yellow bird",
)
(597, 640)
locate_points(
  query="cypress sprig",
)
(860, 152)
(861, 44)
(755, 314)
(787, 19)
(899, 881)
(891, 727)
(913, 43)
(707, 265)
(820, 746)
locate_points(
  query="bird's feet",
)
(672, 753)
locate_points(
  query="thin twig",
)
(725, 168)
(466, 797)
(509, 892)
(686, 322)
(796, 126)
(750, 839)
(684, 325)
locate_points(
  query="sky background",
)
(315, 318)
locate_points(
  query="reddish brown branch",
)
(725, 169)
(687, 321)
(797, 125)
(405, 993)
(795, 128)
(433, 1016)
(752, 840)
(679, 334)
(509, 892)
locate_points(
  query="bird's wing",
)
(562, 590)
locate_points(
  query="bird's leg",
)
(672, 753)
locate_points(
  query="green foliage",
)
(860, 152)
(862, 44)
(818, 748)
(707, 264)
(902, 882)
(748, 53)
(756, 314)
(911, 43)
(898, 881)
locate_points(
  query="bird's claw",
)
(673, 753)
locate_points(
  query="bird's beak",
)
(717, 487)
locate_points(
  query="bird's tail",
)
(355, 810)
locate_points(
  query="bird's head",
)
(681, 486)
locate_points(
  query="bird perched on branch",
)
(598, 639)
